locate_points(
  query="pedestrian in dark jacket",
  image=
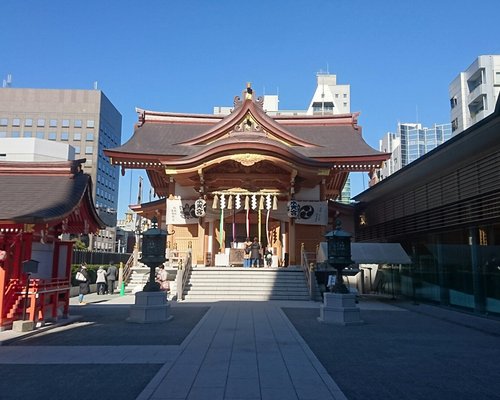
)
(111, 276)
(84, 285)
(255, 253)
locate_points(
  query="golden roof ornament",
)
(248, 93)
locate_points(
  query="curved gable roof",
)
(161, 139)
(45, 193)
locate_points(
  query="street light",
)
(339, 254)
(153, 252)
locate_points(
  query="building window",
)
(453, 102)
(77, 123)
(64, 136)
(454, 125)
(40, 122)
(28, 134)
(65, 123)
(497, 78)
(90, 123)
(40, 135)
(88, 149)
(89, 137)
(345, 95)
(77, 136)
(16, 122)
(4, 121)
(3, 134)
(15, 134)
(52, 136)
(77, 149)
(28, 122)
(53, 123)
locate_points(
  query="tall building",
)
(388, 144)
(328, 99)
(84, 119)
(474, 92)
(410, 142)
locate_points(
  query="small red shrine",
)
(223, 178)
(40, 201)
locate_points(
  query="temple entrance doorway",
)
(240, 225)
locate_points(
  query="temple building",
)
(223, 178)
(40, 202)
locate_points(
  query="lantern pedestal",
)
(339, 308)
(149, 307)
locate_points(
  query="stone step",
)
(246, 296)
(224, 283)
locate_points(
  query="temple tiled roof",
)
(164, 137)
(40, 193)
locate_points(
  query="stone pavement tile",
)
(275, 377)
(205, 393)
(243, 370)
(314, 393)
(178, 381)
(279, 393)
(242, 398)
(211, 377)
(242, 388)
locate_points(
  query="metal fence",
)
(98, 257)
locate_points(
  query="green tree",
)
(79, 245)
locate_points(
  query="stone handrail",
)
(183, 273)
(308, 267)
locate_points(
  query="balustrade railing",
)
(183, 273)
(308, 264)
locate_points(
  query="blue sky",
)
(399, 56)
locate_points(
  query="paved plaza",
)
(254, 350)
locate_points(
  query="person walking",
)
(101, 280)
(112, 276)
(83, 279)
(246, 255)
(255, 253)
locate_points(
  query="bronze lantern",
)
(339, 254)
(154, 242)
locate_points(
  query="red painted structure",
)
(38, 203)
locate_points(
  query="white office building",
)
(34, 150)
(330, 98)
(474, 92)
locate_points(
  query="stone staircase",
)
(225, 283)
(140, 276)
(137, 280)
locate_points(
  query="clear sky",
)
(399, 56)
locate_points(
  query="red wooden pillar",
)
(3, 278)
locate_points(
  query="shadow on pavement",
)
(106, 325)
(403, 355)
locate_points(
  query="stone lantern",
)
(154, 242)
(339, 307)
(151, 304)
(339, 254)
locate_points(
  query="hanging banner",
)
(181, 212)
(312, 213)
